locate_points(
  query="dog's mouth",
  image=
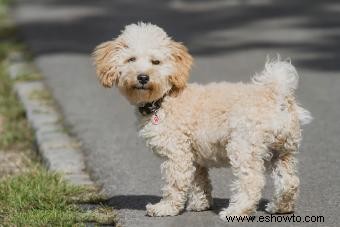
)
(140, 87)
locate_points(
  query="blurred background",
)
(230, 40)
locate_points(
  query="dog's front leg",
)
(178, 173)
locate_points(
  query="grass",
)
(28, 77)
(34, 196)
(15, 126)
(42, 95)
(42, 198)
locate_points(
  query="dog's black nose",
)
(143, 79)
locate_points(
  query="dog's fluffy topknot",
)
(144, 34)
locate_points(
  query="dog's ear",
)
(182, 62)
(105, 60)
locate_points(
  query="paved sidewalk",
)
(230, 41)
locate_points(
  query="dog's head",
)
(144, 63)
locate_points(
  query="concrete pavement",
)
(230, 41)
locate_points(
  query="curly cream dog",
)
(196, 127)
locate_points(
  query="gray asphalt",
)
(230, 41)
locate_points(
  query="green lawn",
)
(41, 198)
(30, 195)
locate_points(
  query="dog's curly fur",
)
(245, 126)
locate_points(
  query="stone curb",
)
(59, 151)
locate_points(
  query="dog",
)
(196, 127)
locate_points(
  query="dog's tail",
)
(283, 76)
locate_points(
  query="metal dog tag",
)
(155, 119)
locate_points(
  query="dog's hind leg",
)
(284, 173)
(286, 184)
(199, 197)
(246, 153)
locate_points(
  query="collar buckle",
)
(151, 107)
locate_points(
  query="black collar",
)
(151, 107)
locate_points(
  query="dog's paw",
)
(271, 208)
(226, 213)
(162, 209)
(274, 209)
(199, 205)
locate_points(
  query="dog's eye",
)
(132, 59)
(155, 62)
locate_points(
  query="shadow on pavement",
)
(202, 25)
(138, 202)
